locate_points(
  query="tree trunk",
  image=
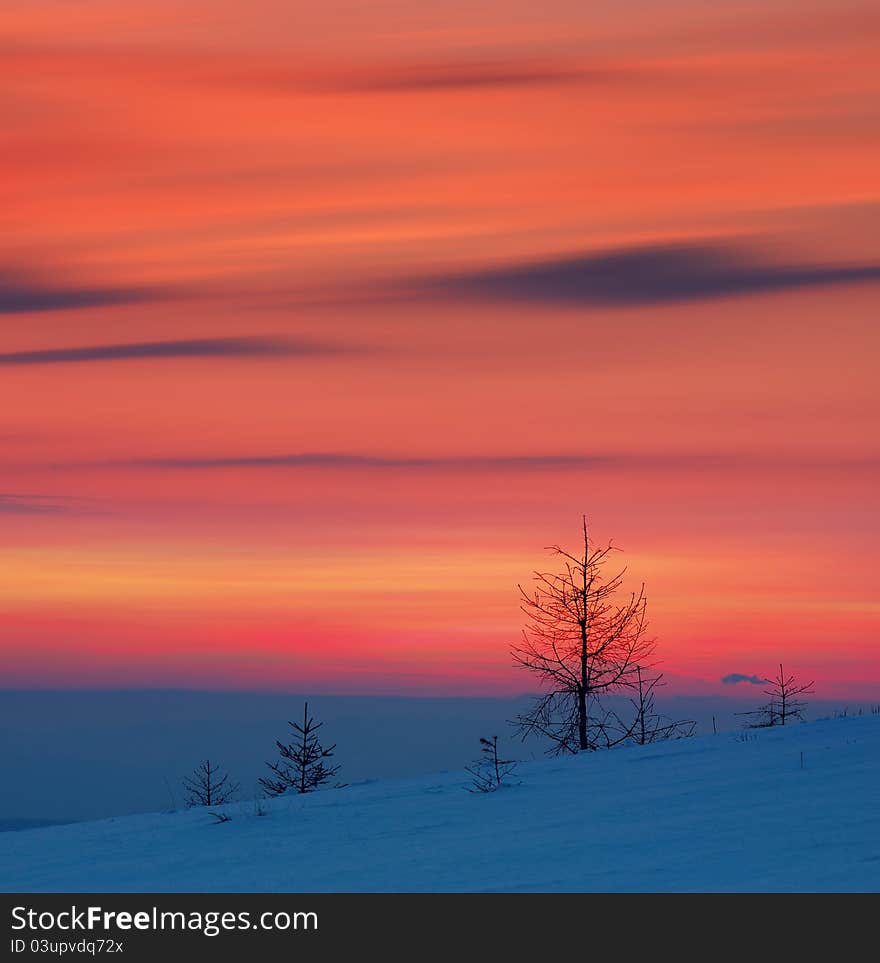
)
(585, 603)
(641, 708)
(582, 718)
(783, 693)
(302, 767)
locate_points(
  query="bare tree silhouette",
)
(208, 787)
(784, 704)
(584, 638)
(302, 766)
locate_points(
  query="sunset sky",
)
(320, 321)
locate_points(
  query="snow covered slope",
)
(726, 812)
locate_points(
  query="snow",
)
(732, 812)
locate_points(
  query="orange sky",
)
(318, 324)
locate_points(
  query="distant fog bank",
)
(71, 755)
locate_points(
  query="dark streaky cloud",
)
(645, 275)
(457, 76)
(191, 348)
(32, 504)
(735, 677)
(350, 460)
(426, 77)
(575, 462)
(20, 293)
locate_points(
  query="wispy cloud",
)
(33, 504)
(20, 293)
(343, 460)
(191, 348)
(457, 75)
(282, 74)
(622, 461)
(645, 275)
(736, 677)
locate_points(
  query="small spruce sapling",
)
(784, 705)
(303, 764)
(208, 786)
(489, 771)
